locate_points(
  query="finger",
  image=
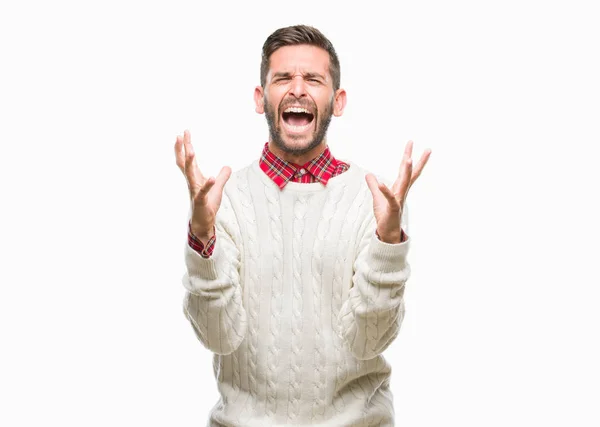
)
(189, 169)
(179, 153)
(389, 195)
(222, 178)
(193, 175)
(187, 144)
(408, 149)
(373, 184)
(419, 168)
(404, 180)
(406, 155)
(190, 157)
(210, 182)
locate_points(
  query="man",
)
(296, 264)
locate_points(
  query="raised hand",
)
(205, 194)
(388, 204)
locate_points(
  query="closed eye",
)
(313, 78)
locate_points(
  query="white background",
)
(502, 321)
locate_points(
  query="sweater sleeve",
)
(213, 298)
(372, 314)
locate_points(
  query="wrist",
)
(202, 233)
(391, 238)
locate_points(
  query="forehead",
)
(299, 58)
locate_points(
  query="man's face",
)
(298, 98)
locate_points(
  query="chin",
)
(295, 145)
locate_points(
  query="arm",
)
(213, 299)
(372, 314)
(213, 302)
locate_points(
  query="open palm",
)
(205, 193)
(388, 204)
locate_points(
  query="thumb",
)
(222, 178)
(373, 184)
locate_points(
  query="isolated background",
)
(502, 319)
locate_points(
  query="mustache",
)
(304, 103)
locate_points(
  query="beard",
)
(322, 123)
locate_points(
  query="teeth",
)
(296, 110)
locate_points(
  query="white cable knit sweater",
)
(297, 302)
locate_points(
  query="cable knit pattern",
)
(273, 357)
(253, 254)
(324, 230)
(213, 301)
(374, 310)
(297, 356)
(371, 320)
(341, 260)
(298, 301)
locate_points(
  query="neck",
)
(298, 159)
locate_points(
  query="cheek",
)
(324, 106)
(274, 96)
(321, 98)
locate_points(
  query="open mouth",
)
(297, 119)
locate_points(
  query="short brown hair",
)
(296, 35)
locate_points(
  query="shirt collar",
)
(281, 172)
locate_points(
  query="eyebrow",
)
(305, 75)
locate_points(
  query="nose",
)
(298, 87)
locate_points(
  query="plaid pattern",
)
(320, 169)
(198, 246)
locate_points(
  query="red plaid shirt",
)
(320, 169)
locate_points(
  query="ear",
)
(339, 102)
(259, 99)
